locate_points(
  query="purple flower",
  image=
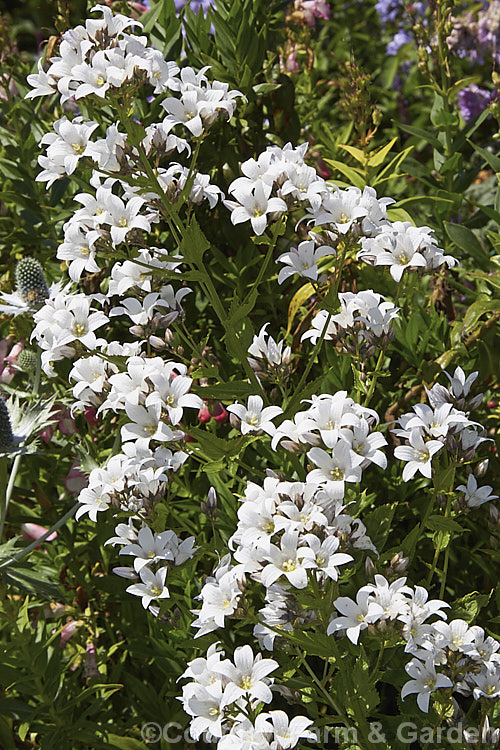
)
(388, 10)
(472, 100)
(399, 39)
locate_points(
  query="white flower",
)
(254, 204)
(286, 733)
(342, 466)
(487, 683)
(326, 556)
(146, 424)
(265, 347)
(288, 560)
(173, 395)
(254, 417)
(356, 616)
(318, 324)
(303, 260)
(152, 586)
(149, 547)
(425, 681)
(246, 676)
(93, 501)
(418, 454)
(474, 495)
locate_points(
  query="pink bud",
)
(90, 665)
(220, 413)
(204, 415)
(66, 423)
(68, 632)
(75, 480)
(90, 415)
(32, 532)
(188, 438)
(47, 434)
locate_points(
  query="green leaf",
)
(125, 743)
(229, 391)
(440, 523)
(465, 239)
(491, 159)
(468, 607)
(194, 243)
(377, 157)
(479, 308)
(421, 134)
(351, 173)
(378, 524)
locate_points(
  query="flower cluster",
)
(153, 553)
(467, 657)
(438, 424)
(222, 692)
(365, 317)
(343, 427)
(285, 529)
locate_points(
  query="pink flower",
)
(219, 413)
(90, 664)
(68, 632)
(91, 417)
(313, 9)
(8, 361)
(32, 532)
(204, 415)
(75, 481)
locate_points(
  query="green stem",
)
(297, 394)
(375, 376)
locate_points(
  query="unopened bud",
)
(31, 284)
(7, 439)
(209, 506)
(27, 360)
(370, 567)
(481, 468)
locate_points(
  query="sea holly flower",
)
(425, 681)
(255, 416)
(254, 204)
(152, 586)
(418, 455)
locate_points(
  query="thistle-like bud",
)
(26, 360)
(31, 284)
(7, 439)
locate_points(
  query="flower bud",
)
(219, 413)
(204, 415)
(481, 468)
(370, 567)
(209, 506)
(27, 360)
(7, 439)
(31, 284)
